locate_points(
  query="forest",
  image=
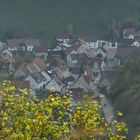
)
(125, 93)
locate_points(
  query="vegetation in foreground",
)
(53, 118)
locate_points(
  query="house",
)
(85, 80)
(75, 54)
(37, 65)
(91, 53)
(63, 71)
(68, 81)
(100, 54)
(111, 57)
(96, 68)
(124, 53)
(93, 44)
(136, 44)
(41, 51)
(97, 79)
(88, 71)
(2, 46)
(46, 75)
(77, 95)
(128, 33)
(110, 45)
(53, 85)
(57, 51)
(22, 71)
(74, 71)
(131, 33)
(23, 44)
(75, 58)
(38, 80)
(76, 84)
(9, 61)
(82, 48)
(79, 48)
(103, 66)
(65, 40)
(6, 52)
(125, 42)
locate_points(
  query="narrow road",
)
(106, 106)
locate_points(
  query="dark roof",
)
(73, 48)
(63, 36)
(125, 42)
(40, 63)
(128, 31)
(124, 52)
(75, 70)
(137, 38)
(38, 77)
(68, 79)
(23, 41)
(41, 49)
(77, 93)
(99, 56)
(78, 56)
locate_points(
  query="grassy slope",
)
(48, 17)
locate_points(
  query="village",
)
(73, 64)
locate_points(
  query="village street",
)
(106, 106)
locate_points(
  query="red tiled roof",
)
(40, 63)
(7, 58)
(23, 68)
(128, 31)
(25, 41)
(74, 48)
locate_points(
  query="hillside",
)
(126, 94)
(46, 18)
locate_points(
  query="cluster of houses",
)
(73, 63)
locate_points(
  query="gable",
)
(73, 52)
(100, 54)
(136, 43)
(53, 85)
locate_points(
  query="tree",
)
(125, 93)
(52, 118)
(28, 57)
(114, 30)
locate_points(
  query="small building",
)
(53, 85)
(23, 44)
(41, 52)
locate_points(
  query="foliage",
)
(90, 17)
(53, 118)
(23, 57)
(125, 94)
(3, 65)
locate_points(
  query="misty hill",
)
(46, 18)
